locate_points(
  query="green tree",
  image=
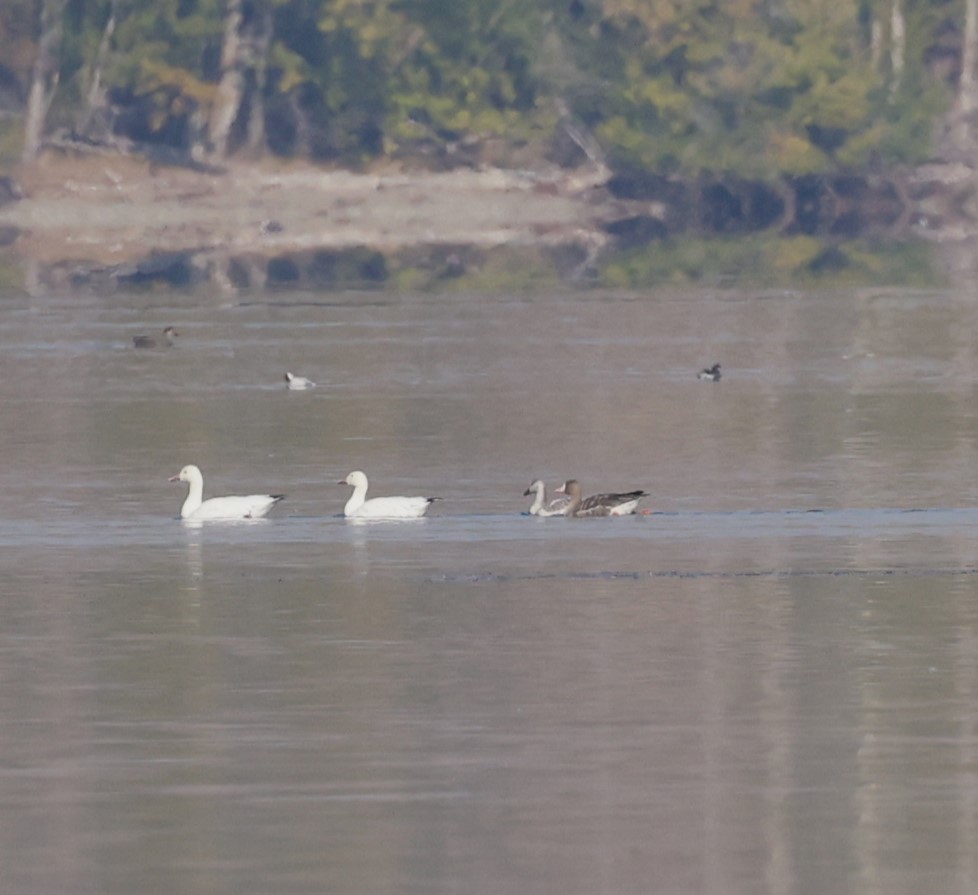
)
(752, 86)
(757, 88)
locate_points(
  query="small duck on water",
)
(144, 341)
(710, 374)
(298, 383)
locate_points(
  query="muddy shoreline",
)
(113, 209)
(116, 220)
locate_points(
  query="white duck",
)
(358, 507)
(613, 504)
(298, 383)
(253, 506)
(541, 506)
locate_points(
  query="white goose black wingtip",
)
(225, 509)
(358, 507)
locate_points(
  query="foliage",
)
(11, 140)
(754, 88)
(11, 273)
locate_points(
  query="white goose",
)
(253, 506)
(298, 383)
(358, 507)
(540, 506)
(613, 504)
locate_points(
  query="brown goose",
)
(613, 504)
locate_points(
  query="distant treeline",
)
(757, 89)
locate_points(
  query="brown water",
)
(768, 685)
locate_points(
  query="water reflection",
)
(358, 537)
(193, 557)
(629, 254)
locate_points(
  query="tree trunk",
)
(44, 77)
(261, 41)
(876, 42)
(303, 132)
(231, 88)
(967, 93)
(240, 92)
(95, 103)
(898, 44)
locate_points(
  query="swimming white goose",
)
(358, 507)
(613, 504)
(710, 374)
(253, 506)
(541, 506)
(298, 383)
(144, 341)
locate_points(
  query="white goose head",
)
(356, 478)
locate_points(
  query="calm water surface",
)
(769, 684)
